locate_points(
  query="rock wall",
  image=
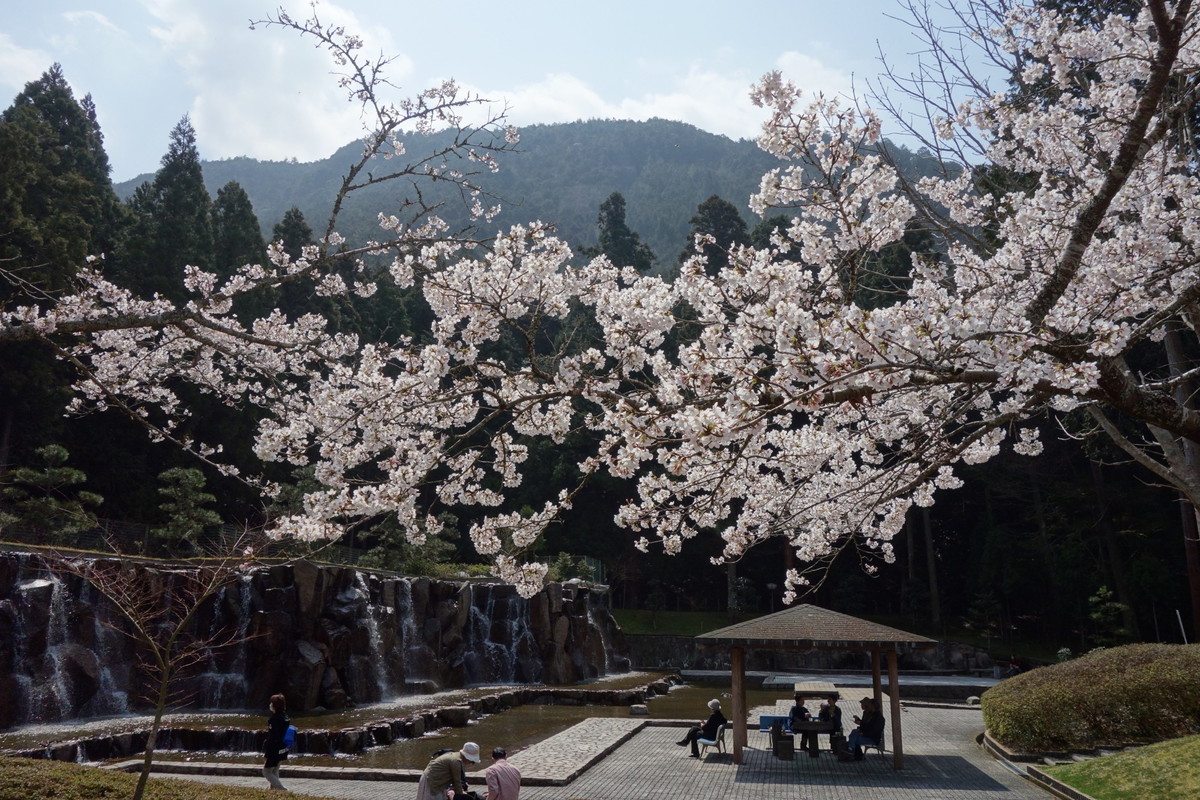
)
(325, 636)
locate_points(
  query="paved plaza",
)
(637, 759)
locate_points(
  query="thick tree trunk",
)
(1176, 358)
(1191, 550)
(731, 598)
(1116, 561)
(935, 600)
(1055, 612)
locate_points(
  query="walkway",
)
(942, 762)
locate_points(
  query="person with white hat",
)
(445, 775)
(705, 730)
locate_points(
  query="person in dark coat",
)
(277, 725)
(798, 715)
(869, 731)
(706, 730)
(830, 712)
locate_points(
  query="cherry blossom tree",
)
(783, 408)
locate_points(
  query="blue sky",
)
(268, 93)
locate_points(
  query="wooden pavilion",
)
(808, 627)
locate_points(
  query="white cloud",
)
(20, 65)
(91, 20)
(267, 92)
(712, 100)
(706, 99)
(811, 75)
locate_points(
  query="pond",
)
(514, 729)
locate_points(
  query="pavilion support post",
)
(737, 714)
(894, 691)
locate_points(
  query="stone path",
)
(636, 759)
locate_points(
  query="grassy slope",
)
(1168, 770)
(25, 779)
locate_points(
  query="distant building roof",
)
(811, 626)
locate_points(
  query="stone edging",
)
(598, 748)
(1055, 785)
(1032, 772)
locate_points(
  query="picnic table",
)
(780, 727)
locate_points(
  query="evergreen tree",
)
(760, 236)
(294, 232)
(238, 240)
(57, 206)
(622, 246)
(172, 224)
(720, 219)
(884, 279)
(46, 500)
(185, 504)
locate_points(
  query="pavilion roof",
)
(811, 626)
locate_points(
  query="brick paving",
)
(636, 759)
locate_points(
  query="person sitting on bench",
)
(798, 715)
(705, 730)
(869, 732)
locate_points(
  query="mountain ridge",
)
(561, 173)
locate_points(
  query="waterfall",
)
(53, 700)
(223, 682)
(112, 698)
(376, 657)
(328, 634)
(602, 632)
(488, 660)
(416, 654)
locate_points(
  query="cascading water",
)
(417, 658)
(223, 682)
(604, 643)
(376, 657)
(498, 642)
(112, 698)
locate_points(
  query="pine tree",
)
(46, 500)
(622, 246)
(720, 219)
(185, 504)
(57, 206)
(238, 240)
(172, 225)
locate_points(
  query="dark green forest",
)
(1074, 548)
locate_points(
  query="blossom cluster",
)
(785, 407)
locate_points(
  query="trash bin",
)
(785, 748)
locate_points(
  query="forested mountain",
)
(560, 174)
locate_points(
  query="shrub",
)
(1135, 693)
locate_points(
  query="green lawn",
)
(1165, 771)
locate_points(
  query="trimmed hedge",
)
(26, 778)
(1111, 697)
